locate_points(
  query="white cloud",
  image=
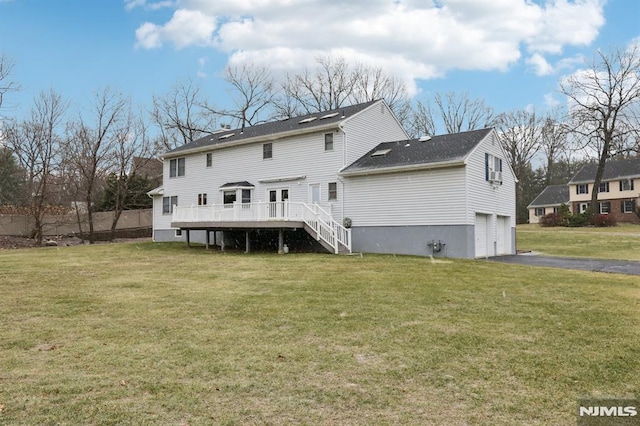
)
(411, 38)
(540, 65)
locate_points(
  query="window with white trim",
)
(582, 188)
(246, 196)
(229, 197)
(168, 203)
(626, 185)
(328, 141)
(267, 150)
(492, 168)
(177, 167)
(628, 206)
(604, 207)
(202, 199)
(209, 161)
(539, 211)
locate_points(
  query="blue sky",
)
(511, 53)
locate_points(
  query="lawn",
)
(148, 333)
(618, 242)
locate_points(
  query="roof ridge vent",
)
(424, 138)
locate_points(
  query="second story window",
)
(328, 141)
(582, 188)
(626, 185)
(267, 150)
(209, 159)
(202, 199)
(604, 187)
(176, 167)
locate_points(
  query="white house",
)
(342, 180)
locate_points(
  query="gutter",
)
(383, 170)
(255, 139)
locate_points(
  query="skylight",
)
(333, 114)
(228, 135)
(307, 120)
(381, 152)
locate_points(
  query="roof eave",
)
(404, 168)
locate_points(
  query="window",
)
(333, 191)
(176, 167)
(539, 211)
(178, 232)
(246, 196)
(582, 188)
(604, 207)
(604, 187)
(168, 203)
(492, 168)
(628, 206)
(202, 199)
(267, 150)
(328, 141)
(209, 159)
(584, 207)
(229, 197)
(626, 185)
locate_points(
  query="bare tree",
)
(373, 83)
(131, 142)
(36, 143)
(421, 120)
(329, 86)
(520, 134)
(94, 137)
(603, 105)
(252, 92)
(553, 143)
(459, 112)
(179, 116)
(6, 85)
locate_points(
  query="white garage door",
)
(502, 237)
(482, 236)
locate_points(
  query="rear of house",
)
(336, 179)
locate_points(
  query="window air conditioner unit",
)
(495, 176)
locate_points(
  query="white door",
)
(277, 205)
(481, 234)
(314, 193)
(500, 241)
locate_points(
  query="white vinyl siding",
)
(434, 197)
(368, 129)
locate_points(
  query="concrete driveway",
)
(595, 265)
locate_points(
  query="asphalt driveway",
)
(595, 265)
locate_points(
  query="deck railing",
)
(315, 217)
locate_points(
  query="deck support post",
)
(206, 244)
(280, 241)
(247, 242)
(221, 240)
(188, 238)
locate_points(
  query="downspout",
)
(344, 164)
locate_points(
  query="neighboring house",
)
(618, 193)
(346, 180)
(549, 201)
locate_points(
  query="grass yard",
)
(618, 242)
(160, 334)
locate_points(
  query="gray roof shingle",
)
(439, 149)
(553, 195)
(324, 118)
(613, 170)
